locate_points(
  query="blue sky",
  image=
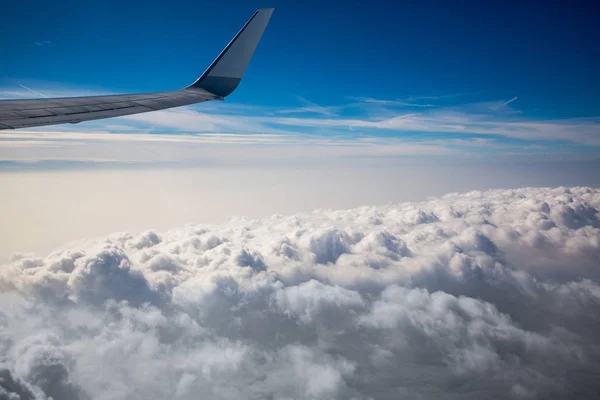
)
(491, 76)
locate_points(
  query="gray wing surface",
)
(219, 80)
(38, 112)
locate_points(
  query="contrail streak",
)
(32, 91)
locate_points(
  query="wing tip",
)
(224, 74)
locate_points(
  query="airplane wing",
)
(218, 81)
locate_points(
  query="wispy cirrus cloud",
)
(312, 108)
(362, 117)
(44, 43)
(584, 131)
(203, 149)
(392, 103)
(33, 91)
(23, 88)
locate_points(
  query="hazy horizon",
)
(51, 207)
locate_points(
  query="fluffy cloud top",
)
(481, 295)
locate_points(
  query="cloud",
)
(485, 118)
(13, 389)
(44, 43)
(392, 103)
(312, 108)
(188, 120)
(485, 294)
(211, 149)
(9, 90)
(33, 91)
(460, 122)
(362, 116)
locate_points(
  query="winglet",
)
(226, 71)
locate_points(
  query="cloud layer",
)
(454, 121)
(480, 295)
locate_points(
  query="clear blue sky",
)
(435, 53)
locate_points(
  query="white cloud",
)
(43, 88)
(577, 130)
(486, 294)
(43, 43)
(38, 94)
(392, 103)
(188, 120)
(507, 102)
(363, 114)
(203, 148)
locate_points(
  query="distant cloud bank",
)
(479, 295)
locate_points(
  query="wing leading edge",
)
(218, 81)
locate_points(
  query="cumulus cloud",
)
(480, 295)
